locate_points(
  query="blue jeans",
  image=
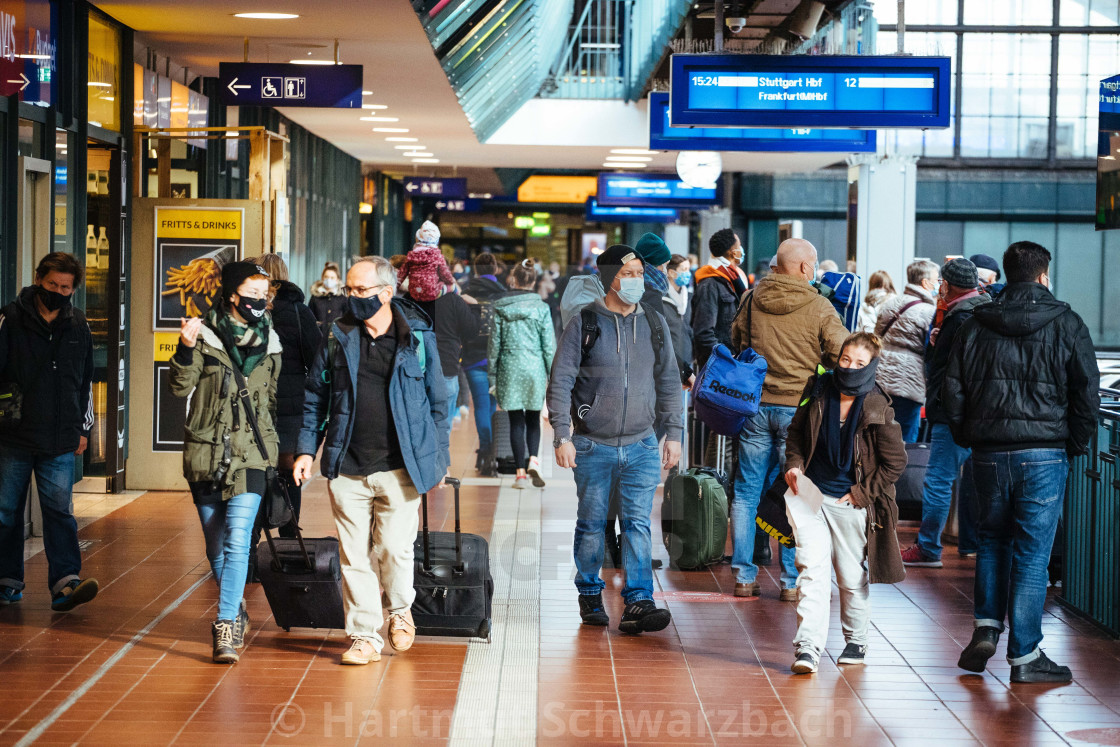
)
(762, 451)
(1019, 500)
(54, 476)
(908, 414)
(484, 405)
(633, 471)
(967, 540)
(227, 527)
(945, 462)
(452, 400)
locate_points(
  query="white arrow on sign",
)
(411, 186)
(441, 205)
(233, 86)
(22, 78)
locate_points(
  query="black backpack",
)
(589, 321)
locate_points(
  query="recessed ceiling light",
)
(375, 106)
(99, 84)
(33, 56)
(419, 154)
(406, 147)
(367, 93)
(629, 158)
(402, 139)
(425, 160)
(390, 129)
(381, 119)
(267, 16)
(311, 62)
(634, 151)
(624, 165)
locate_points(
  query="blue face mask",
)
(683, 279)
(631, 290)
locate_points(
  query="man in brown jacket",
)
(795, 329)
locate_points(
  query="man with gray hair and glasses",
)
(375, 394)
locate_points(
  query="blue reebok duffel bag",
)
(728, 389)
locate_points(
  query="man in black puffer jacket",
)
(1022, 390)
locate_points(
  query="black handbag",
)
(276, 506)
(11, 404)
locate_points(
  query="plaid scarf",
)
(245, 345)
(656, 279)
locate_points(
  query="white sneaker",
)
(520, 483)
(464, 411)
(535, 472)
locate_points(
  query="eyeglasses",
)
(360, 292)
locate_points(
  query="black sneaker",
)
(240, 627)
(74, 593)
(981, 648)
(763, 555)
(853, 654)
(805, 663)
(1041, 670)
(644, 617)
(592, 611)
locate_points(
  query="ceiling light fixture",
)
(425, 160)
(419, 154)
(381, 119)
(633, 152)
(402, 139)
(367, 93)
(311, 62)
(406, 147)
(375, 106)
(629, 158)
(480, 195)
(624, 165)
(98, 84)
(267, 16)
(33, 56)
(390, 129)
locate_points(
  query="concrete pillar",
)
(676, 238)
(881, 214)
(711, 221)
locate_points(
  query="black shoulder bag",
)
(275, 502)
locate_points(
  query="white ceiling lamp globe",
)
(699, 168)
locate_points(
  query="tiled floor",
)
(133, 666)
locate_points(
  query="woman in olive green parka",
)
(222, 462)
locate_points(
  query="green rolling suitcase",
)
(694, 515)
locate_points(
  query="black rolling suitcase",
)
(302, 579)
(454, 587)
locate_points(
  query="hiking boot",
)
(749, 589)
(224, 652)
(361, 652)
(981, 648)
(805, 663)
(74, 593)
(592, 611)
(914, 557)
(644, 617)
(853, 654)
(788, 595)
(240, 627)
(402, 631)
(1041, 670)
(763, 555)
(8, 595)
(535, 472)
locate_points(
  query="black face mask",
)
(364, 308)
(856, 382)
(252, 310)
(53, 301)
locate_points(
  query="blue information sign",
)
(1108, 122)
(788, 140)
(653, 190)
(622, 214)
(809, 91)
(466, 205)
(417, 186)
(285, 84)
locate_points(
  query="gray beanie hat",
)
(960, 273)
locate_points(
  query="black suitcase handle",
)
(459, 567)
(276, 564)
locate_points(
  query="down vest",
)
(902, 371)
(1023, 375)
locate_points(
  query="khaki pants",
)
(384, 506)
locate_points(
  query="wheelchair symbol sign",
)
(272, 88)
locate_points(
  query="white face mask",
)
(330, 283)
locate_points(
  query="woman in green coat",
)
(222, 462)
(522, 343)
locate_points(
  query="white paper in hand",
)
(803, 507)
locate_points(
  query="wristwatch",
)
(558, 442)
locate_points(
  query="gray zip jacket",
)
(619, 396)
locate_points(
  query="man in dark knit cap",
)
(602, 386)
(961, 294)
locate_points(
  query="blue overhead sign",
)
(467, 205)
(285, 84)
(653, 190)
(789, 140)
(809, 91)
(1108, 121)
(621, 214)
(416, 186)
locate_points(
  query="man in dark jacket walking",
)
(1021, 390)
(719, 286)
(378, 386)
(961, 293)
(46, 351)
(481, 291)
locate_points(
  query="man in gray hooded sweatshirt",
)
(610, 388)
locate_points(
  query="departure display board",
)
(597, 213)
(787, 140)
(653, 190)
(844, 91)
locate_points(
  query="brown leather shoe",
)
(788, 595)
(402, 631)
(748, 590)
(361, 652)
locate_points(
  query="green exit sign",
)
(523, 221)
(541, 230)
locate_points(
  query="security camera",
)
(736, 24)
